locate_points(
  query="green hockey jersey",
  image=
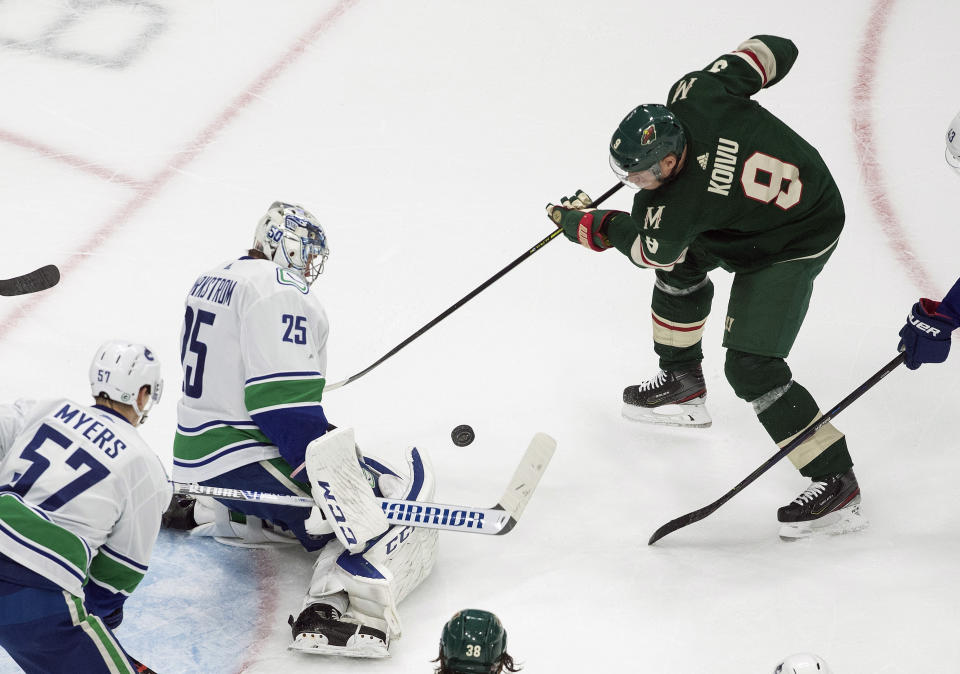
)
(752, 192)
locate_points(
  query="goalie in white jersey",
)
(81, 496)
(254, 361)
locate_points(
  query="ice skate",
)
(179, 514)
(671, 398)
(319, 629)
(828, 506)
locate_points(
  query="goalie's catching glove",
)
(925, 337)
(581, 223)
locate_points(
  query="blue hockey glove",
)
(114, 619)
(925, 337)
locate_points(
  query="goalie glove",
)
(925, 337)
(579, 222)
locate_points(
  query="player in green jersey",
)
(725, 184)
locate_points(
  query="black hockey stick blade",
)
(708, 510)
(37, 280)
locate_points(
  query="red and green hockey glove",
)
(579, 222)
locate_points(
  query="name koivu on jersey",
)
(214, 288)
(724, 166)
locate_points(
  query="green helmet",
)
(473, 642)
(644, 137)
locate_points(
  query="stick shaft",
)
(466, 298)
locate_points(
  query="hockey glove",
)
(579, 222)
(925, 337)
(114, 619)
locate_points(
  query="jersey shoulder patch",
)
(288, 278)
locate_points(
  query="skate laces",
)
(813, 491)
(654, 382)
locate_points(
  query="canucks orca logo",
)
(147, 354)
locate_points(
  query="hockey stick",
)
(496, 520)
(35, 281)
(469, 296)
(698, 515)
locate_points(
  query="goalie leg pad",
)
(377, 579)
(244, 531)
(341, 489)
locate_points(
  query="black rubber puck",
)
(462, 435)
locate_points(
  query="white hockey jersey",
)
(81, 496)
(254, 357)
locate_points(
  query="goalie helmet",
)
(290, 236)
(803, 663)
(952, 153)
(120, 369)
(473, 642)
(644, 137)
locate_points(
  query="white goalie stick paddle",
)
(496, 520)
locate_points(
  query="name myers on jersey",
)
(214, 289)
(95, 431)
(409, 511)
(724, 165)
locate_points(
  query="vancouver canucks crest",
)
(285, 277)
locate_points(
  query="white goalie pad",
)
(341, 490)
(213, 519)
(379, 578)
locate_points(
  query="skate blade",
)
(359, 646)
(690, 415)
(845, 521)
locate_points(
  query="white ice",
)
(141, 141)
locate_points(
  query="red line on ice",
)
(72, 160)
(864, 138)
(146, 190)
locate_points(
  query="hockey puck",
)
(462, 435)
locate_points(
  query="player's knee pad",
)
(753, 376)
(377, 579)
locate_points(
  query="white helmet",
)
(291, 237)
(952, 153)
(803, 663)
(120, 369)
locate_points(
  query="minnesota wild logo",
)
(649, 135)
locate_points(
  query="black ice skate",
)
(828, 506)
(671, 398)
(319, 629)
(179, 514)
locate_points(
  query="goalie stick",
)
(35, 281)
(496, 520)
(698, 515)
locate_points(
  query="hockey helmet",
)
(120, 369)
(803, 663)
(952, 153)
(290, 236)
(473, 642)
(644, 137)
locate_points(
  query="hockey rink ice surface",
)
(141, 141)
